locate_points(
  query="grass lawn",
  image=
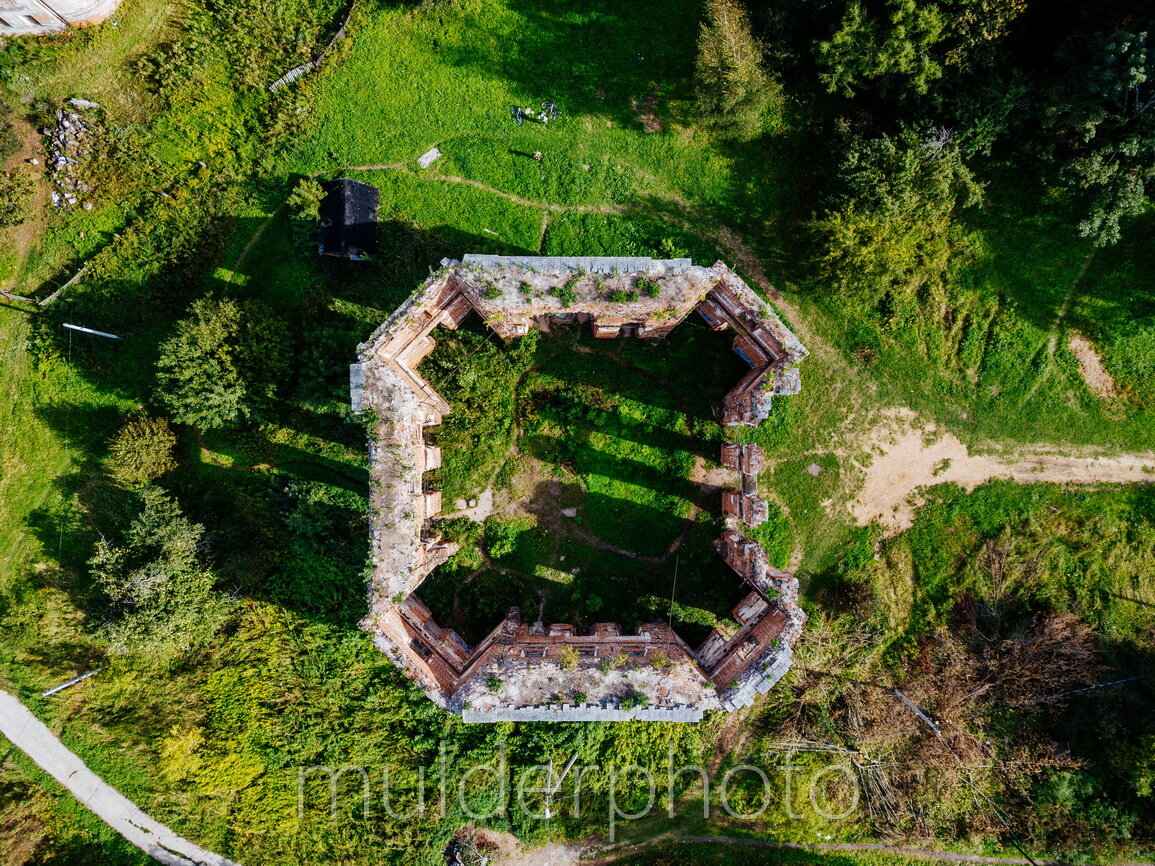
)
(591, 448)
(414, 80)
(293, 682)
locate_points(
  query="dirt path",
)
(1097, 377)
(916, 853)
(24, 236)
(687, 217)
(32, 737)
(548, 207)
(908, 456)
(1057, 325)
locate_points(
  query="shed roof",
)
(348, 219)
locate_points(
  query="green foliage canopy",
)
(223, 363)
(1100, 120)
(910, 43)
(141, 451)
(161, 590)
(892, 230)
(734, 92)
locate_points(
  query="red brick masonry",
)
(552, 672)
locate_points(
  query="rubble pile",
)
(67, 146)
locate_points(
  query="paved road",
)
(31, 736)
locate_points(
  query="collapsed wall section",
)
(762, 341)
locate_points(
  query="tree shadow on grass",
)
(686, 374)
(642, 433)
(1033, 253)
(271, 539)
(593, 60)
(298, 462)
(578, 454)
(559, 568)
(1117, 294)
(334, 427)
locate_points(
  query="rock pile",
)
(67, 145)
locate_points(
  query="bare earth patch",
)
(553, 854)
(908, 457)
(24, 236)
(505, 849)
(477, 510)
(1091, 366)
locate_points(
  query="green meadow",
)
(193, 202)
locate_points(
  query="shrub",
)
(566, 293)
(580, 697)
(649, 288)
(634, 699)
(494, 683)
(304, 204)
(526, 288)
(605, 665)
(660, 661)
(621, 296)
(141, 451)
(493, 293)
(503, 538)
(567, 657)
(305, 200)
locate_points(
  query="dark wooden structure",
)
(348, 219)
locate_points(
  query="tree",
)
(1100, 120)
(911, 42)
(141, 451)
(977, 26)
(223, 364)
(161, 592)
(868, 46)
(734, 93)
(892, 232)
(304, 211)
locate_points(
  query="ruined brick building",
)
(664, 677)
(36, 17)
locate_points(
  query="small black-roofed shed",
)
(348, 219)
